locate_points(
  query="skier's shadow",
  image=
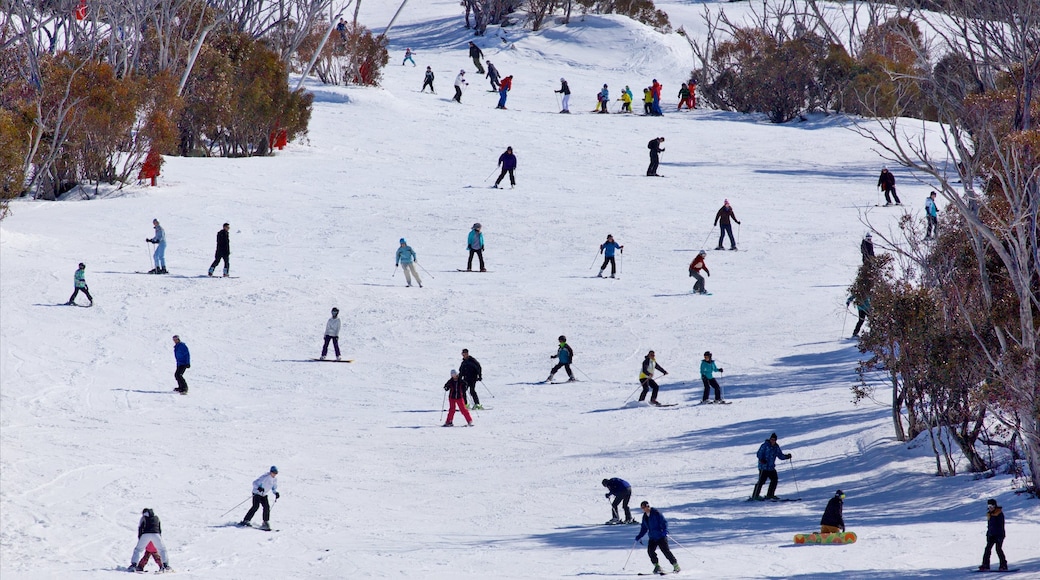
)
(170, 392)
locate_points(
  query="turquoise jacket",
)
(475, 241)
(81, 278)
(405, 255)
(708, 369)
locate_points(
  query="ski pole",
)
(443, 401)
(634, 392)
(582, 372)
(738, 234)
(148, 251)
(558, 105)
(706, 239)
(682, 546)
(395, 271)
(236, 507)
(633, 549)
(487, 389)
(594, 260)
(425, 270)
(795, 477)
(843, 319)
(620, 263)
(492, 173)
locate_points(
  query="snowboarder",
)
(565, 354)
(656, 526)
(261, 486)
(183, 358)
(695, 272)
(655, 90)
(428, 81)
(503, 91)
(862, 309)
(832, 520)
(622, 492)
(608, 248)
(648, 101)
(708, 370)
(931, 212)
(332, 334)
(994, 535)
(507, 160)
(406, 258)
(655, 151)
(80, 284)
(160, 248)
(471, 372)
(460, 81)
(646, 377)
(407, 57)
(476, 54)
(565, 90)
(456, 387)
(722, 219)
(223, 251)
(684, 97)
(494, 75)
(767, 454)
(603, 100)
(887, 183)
(149, 531)
(475, 245)
(866, 248)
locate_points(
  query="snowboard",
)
(832, 538)
(700, 293)
(349, 360)
(997, 571)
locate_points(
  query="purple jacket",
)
(507, 161)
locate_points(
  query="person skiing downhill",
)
(408, 57)
(428, 81)
(767, 454)
(655, 150)
(622, 492)
(695, 272)
(475, 245)
(887, 183)
(471, 372)
(565, 354)
(261, 486)
(494, 75)
(476, 54)
(149, 531)
(833, 520)
(503, 91)
(866, 248)
(646, 377)
(456, 387)
(994, 535)
(931, 212)
(722, 219)
(183, 358)
(331, 335)
(223, 251)
(159, 257)
(656, 527)
(508, 162)
(460, 81)
(80, 285)
(708, 370)
(565, 89)
(608, 248)
(407, 258)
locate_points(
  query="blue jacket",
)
(609, 248)
(180, 352)
(160, 236)
(617, 486)
(565, 354)
(767, 455)
(655, 524)
(929, 207)
(405, 255)
(708, 369)
(475, 241)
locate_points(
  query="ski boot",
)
(478, 407)
(613, 521)
(658, 569)
(265, 527)
(675, 568)
(447, 424)
(549, 380)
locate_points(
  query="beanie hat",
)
(563, 338)
(773, 436)
(605, 482)
(476, 226)
(274, 469)
(403, 241)
(725, 202)
(82, 265)
(991, 502)
(707, 353)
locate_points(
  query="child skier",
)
(428, 81)
(80, 282)
(565, 355)
(708, 370)
(648, 102)
(603, 100)
(695, 268)
(456, 387)
(149, 531)
(608, 248)
(684, 96)
(408, 57)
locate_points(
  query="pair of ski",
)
(708, 402)
(548, 382)
(251, 526)
(773, 499)
(349, 360)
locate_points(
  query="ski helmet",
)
(702, 253)
(707, 353)
(563, 338)
(476, 226)
(403, 241)
(274, 469)
(454, 372)
(82, 266)
(335, 310)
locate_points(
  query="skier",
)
(332, 334)
(648, 101)
(476, 54)
(684, 97)
(656, 526)
(160, 248)
(565, 354)
(931, 212)
(994, 535)
(475, 245)
(493, 74)
(456, 387)
(692, 85)
(722, 219)
(608, 248)
(428, 81)
(471, 372)
(862, 309)
(261, 486)
(646, 378)
(887, 183)
(767, 454)
(655, 150)
(407, 57)
(223, 251)
(655, 90)
(460, 81)
(149, 531)
(503, 91)
(708, 370)
(183, 357)
(866, 248)
(832, 520)
(406, 258)
(695, 267)
(622, 492)
(508, 161)
(80, 283)
(626, 100)
(565, 90)
(603, 100)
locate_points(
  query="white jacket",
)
(460, 80)
(332, 327)
(266, 481)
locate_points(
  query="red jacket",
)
(698, 264)
(506, 84)
(656, 90)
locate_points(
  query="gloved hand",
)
(738, 223)
(552, 356)
(640, 541)
(691, 273)
(789, 456)
(708, 273)
(607, 495)
(277, 495)
(720, 370)
(480, 379)
(260, 489)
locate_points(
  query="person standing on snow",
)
(603, 100)
(767, 454)
(460, 81)
(428, 81)
(406, 258)
(695, 271)
(331, 334)
(646, 377)
(622, 492)
(684, 97)
(261, 486)
(476, 54)
(648, 101)
(655, 152)
(159, 239)
(475, 245)
(80, 284)
(866, 248)
(149, 531)
(565, 354)
(508, 162)
(656, 526)
(887, 183)
(471, 372)
(722, 219)
(183, 357)
(692, 85)
(655, 90)
(832, 520)
(626, 100)
(493, 74)
(407, 57)
(223, 251)
(994, 535)
(931, 212)
(503, 91)
(862, 309)
(708, 370)
(608, 248)
(456, 387)
(565, 90)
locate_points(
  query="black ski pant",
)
(891, 190)
(565, 366)
(472, 382)
(763, 475)
(427, 84)
(622, 499)
(458, 94)
(258, 501)
(708, 383)
(227, 264)
(335, 345)
(698, 286)
(648, 384)
(179, 376)
(651, 548)
(648, 108)
(512, 180)
(933, 226)
(77, 291)
(999, 543)
(654, 160)
(480, 255)
(859, 325)
(613, 267)
(723, 230)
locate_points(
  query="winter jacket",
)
(648, 97)
(265, 484)
(149, 524)
(995, 523)
(429, 77)
(698, 264)
(506, 84)
(507, 161)
(886, 181)
(768, 453)
(654, 146)
(564, 88)
(332, 326)
(223, 245)
(604, 95)
(460, 80)
(684, 93)
(608, 248)
(405, 255)
(160, 236)
(475, 241)
(565, 353)
(475, 52)
(655, 524)
(81, 278)
(930, 207)
(866, 248)
(456, 387)
(832, 514)
(492, 73)
(180, 352)
(861, 305)
(725, 214)
(626, 97)
(708, 369)
(471, 371)
(648, 368)
(617, 486)
(655, 90)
